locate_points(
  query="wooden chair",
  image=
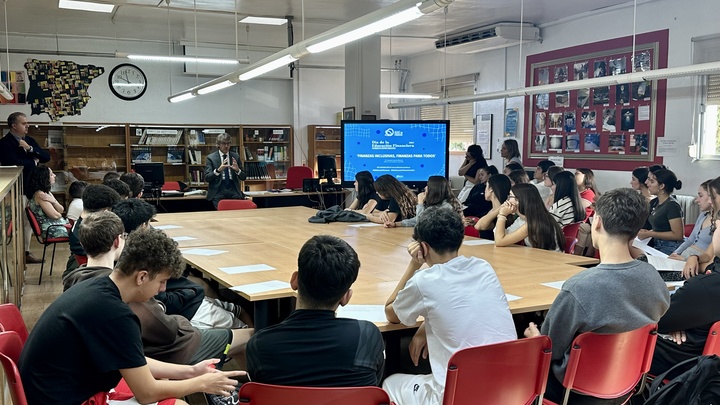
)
(265, 394)
(44, 239)
(712, 343)
(11, 320)
(10, 349)
(513, 372)
(609, 365)
(296, 175)
(226, 205)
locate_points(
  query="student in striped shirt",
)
(567, 207)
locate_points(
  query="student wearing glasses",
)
(223, 173)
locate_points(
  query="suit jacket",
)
(12, 154)
(214, 179)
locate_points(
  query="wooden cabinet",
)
(90, 151)
(267, 153)
(324, 140)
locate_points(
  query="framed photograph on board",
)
(349, 113)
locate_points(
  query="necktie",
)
(227, 170)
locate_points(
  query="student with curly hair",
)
(534, 225)
(438, 193)
(401, 200)
(42, 202)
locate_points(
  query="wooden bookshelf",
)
(267, 154)
(324, 140)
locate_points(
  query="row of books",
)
(277, 135)
(259, 171)
(141, 154)
(161, 137)
(195, 156)
(197, 176)
(195, 137)
(269, 153)
(175, 154)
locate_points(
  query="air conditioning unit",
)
(495, 36)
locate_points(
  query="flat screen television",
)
(327, 168)
(152, 172)
(410, 150)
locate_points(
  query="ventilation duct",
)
(495, 36)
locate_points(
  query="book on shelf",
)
(248, 154)
(197, 176)
(192, 137)
(261, 154)
(269, 153)
(194, 156)
(161, 137)
(175, 154)
(141, 155)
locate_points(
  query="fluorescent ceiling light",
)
(366, 30)
(263, 20)
(5, 93)
(181, 97)
(272, 65)
(408, 96)
(183, 59)
(86, 6)
(216, 87)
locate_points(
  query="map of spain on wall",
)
(59, 88)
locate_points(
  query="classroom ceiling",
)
(213, 21)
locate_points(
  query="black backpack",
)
(699, 385)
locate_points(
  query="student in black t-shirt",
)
(401, 200)
(366, 199)
(312, 347)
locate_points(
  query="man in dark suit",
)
(223, 173)
(18, 149)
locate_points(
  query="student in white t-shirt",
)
(76, 205)
(460, 298)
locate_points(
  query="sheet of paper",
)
(255, 192)
(372, 313)
(478, 242)
(555, 284)
(365, 225)
(674, 284)
(182, 238)
(202, 252)
(250, 268)
(649, 251)
(511, 297)
(665, 264)
(262, 287)
(164, 227)
(643, 113)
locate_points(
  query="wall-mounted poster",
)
(511, 122)
(15, 84)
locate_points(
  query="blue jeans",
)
(666, 246)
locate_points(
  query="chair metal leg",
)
(52, 261)
(42, 266)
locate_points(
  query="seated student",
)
(111, 175)
(89, 338)
(438, 193)
(539, 178)
(76, 205)
(447, 294)
(476, 204)
(585, 180)
(534, 225)
(512, 166)
(665, 212)
(48, 211)
(120, 186)
(548, 181)
(637, 182)
(566, 207)
(401, 200)
(700, 238)
(312, 347)
(366, 199)
(497, 191)
(699, 263)
(519, 177)
(96, 197)
(474, 161)
(618, 295)
(136, 183)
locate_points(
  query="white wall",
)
(499, 70)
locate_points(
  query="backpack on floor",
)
(699, 385)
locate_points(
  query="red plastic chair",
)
(171, 186)
(712, 343)
(265, 394)
(11, 320)
(226, 205)
(513, 372)
(570, 244)
(10, 349)
(80, 259)
(44, 240)
(609, 365)
(688, 229)
(296, 175)
(571, 230)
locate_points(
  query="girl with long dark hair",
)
(366, 200)
(566, 207)
(438, 193)
(496, 191)
(470, 168)
(665, 212)
(535, 226)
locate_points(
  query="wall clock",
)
(127, 82)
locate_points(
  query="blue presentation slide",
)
(407, 151)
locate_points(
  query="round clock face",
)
(127, 81)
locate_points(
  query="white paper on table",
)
(264, 286)
(511, 297)
(250, 268)
(182, 238)
(163, 227)
(555, 284)
(365, 225)
(255, 192)
(202, 252)
(675, 284)
(649, 251)
(665, 264)
(371, 313)
(478, 242)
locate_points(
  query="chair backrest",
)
(81, 259)
(571, 230)
(236, 205)
(712, 343)
(171, 186)
(609, 365)
(265, 394)
(513, 372)
(570, 244)
(34, 224)
(11, 320)
(10, 348)
(470, 229)
(688, 229)
(296, 175)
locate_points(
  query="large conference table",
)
(242, 240)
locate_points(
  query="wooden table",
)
(274, 237)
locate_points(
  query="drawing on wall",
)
(608, 120)
(592, 142)
(616, 144)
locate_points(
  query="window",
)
(707, 123)
(461, 116)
